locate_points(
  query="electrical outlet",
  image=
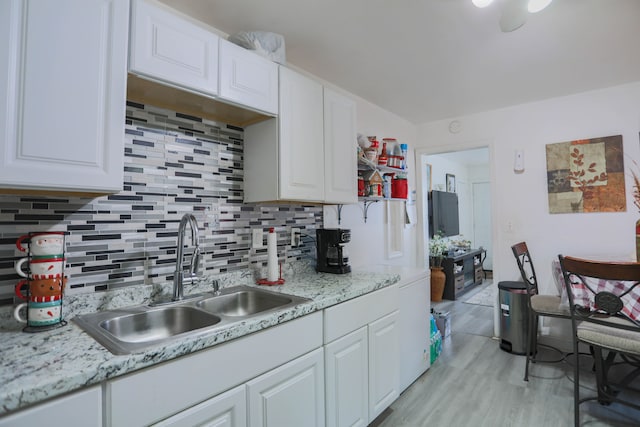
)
(295, 237)
(211, 217)
(257, 240)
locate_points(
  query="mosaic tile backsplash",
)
(174, 164)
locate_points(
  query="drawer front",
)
(458, 284)
(479, 275)
(344, 318)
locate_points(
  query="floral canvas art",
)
(586, 175)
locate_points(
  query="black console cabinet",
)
(463, 271)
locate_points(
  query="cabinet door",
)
(172, 49)
(384, 364)
(413, 331)
(143, 397)
(226, 410)
(289, 396)
(247, 78)
(347, 381)
(80, 409)
(63, 91)
(340, 157)
(301, 162)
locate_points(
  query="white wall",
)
(520, 207)
(367, 245)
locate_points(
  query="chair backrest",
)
(599, 289)
(525, 265)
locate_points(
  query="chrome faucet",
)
(179, 277)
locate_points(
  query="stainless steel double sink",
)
(131, 329)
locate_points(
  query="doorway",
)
(471, 168)
(467, 173)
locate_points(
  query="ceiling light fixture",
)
(535, 6)
(481, 3)
(514, 12)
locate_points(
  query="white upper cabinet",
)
(62, 86)
(312, 142)
(340, 152)
(301, 138)
(247, 78)
(172, 49)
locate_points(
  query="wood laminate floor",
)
(475, 383)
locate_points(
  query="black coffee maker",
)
(332, 255)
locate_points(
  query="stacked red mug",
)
(44, 279)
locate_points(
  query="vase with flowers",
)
(438, 249)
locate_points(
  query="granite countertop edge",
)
(36, 367)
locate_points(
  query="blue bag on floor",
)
(436, 340)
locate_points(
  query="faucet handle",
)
(195, 262)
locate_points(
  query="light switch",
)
(295, 237)
(518, 161)
(257, 239)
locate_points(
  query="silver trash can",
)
(514, 318)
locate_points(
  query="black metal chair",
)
(539, 305)
(604, 299)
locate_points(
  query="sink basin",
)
(244, 302)
(131, 329)
(158, 324)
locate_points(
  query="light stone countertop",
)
(38, 366)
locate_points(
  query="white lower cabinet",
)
(347, 380)
(85, 405)
(337, 367)
(289, 396)
(169, 389)
(225, 410)
(361, 358)
(384, 364)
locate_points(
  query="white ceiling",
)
(426, 60)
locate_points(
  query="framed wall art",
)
(586, 175)
(451, 183)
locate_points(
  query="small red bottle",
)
(382, 158)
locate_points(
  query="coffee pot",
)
(333, 256)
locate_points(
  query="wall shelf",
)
(368, 201)
(366, 164)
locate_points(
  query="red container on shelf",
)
(361, 190)
(399, 188)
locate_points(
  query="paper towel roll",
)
(272, 256)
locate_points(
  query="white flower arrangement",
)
(438, 248)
